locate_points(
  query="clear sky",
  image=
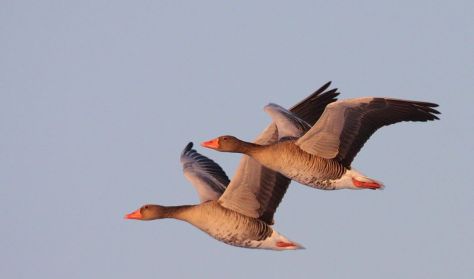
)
(98, 98)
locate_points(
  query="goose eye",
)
(224, 138)
(145, 207)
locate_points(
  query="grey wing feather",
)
(256, 191)
(346, 125)
(205, 175)
(288, 124)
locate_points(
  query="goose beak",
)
(134, 215)
(214, 143)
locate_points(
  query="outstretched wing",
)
(346, 125)
(257, 191)
(204, 174)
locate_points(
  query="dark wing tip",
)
(188, 148)
(428, 109)
(318, 94)
(331, 94)
(325, 86)
(423, 111)
(426, 104)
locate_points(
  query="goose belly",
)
(232, 228)
(315, 172)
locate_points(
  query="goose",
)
(240, 212)
(321, 157)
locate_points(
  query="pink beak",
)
(214, 143)
(134, 215)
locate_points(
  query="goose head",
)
(224, 143)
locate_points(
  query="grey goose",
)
(321, 157)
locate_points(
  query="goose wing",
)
(288, 124)
(346, 125)
(205, 175)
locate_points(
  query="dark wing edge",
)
(361, 122)
(275, 195)
(311, 108)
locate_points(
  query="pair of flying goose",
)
(313, 143)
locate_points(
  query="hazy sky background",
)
(98, 98)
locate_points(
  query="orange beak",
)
(214, 143)
(134, 215)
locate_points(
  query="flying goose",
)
(240, 214)
(321, 157)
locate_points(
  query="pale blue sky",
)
(98, 98)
